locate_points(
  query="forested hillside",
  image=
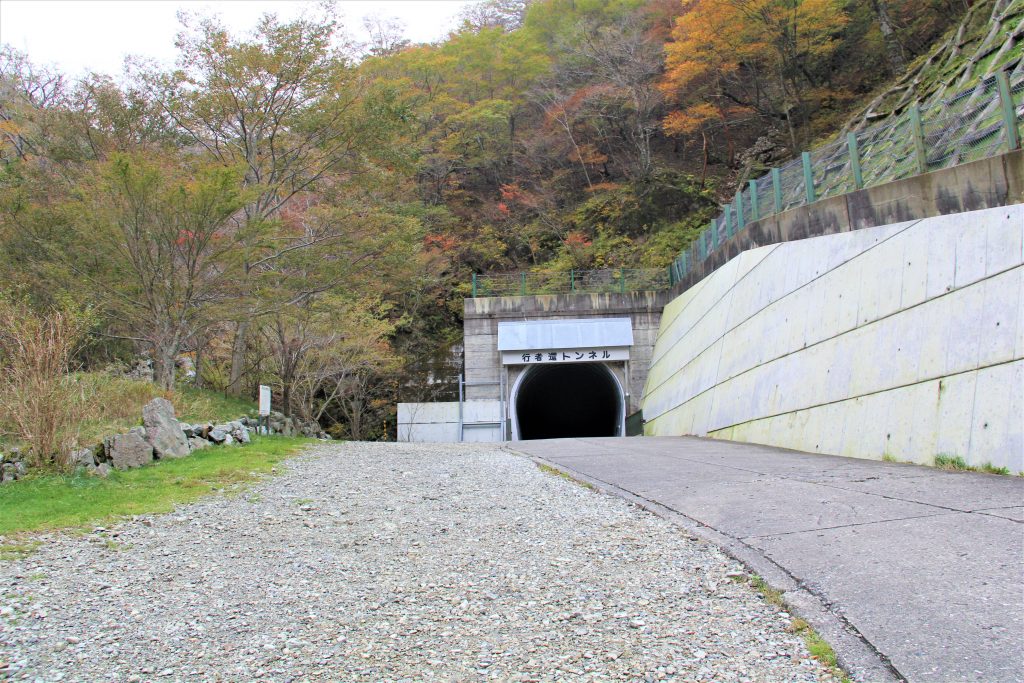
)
(286, 208)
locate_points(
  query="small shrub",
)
(38, 402)
(989, 468)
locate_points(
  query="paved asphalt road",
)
(910, 572)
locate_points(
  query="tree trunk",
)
(238, 360)
(163, 365)
(893, 48)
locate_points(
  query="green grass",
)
(16, 550)
(955, 463)
(819, 649)
(555, 472)
(816, 645)
(54, 501)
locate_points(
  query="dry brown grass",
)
(38, 402)
(114, 404)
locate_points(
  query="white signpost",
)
(264, 408)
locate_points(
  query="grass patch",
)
(115, 404)
(819, 649)
(555, 472)
(771, 596)
(55, 501)
(951, 462)
(888, 457)
(17, 551)
(954, 463)
(816, 645)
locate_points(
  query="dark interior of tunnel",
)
(572, 400)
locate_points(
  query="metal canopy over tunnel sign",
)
(541, 342)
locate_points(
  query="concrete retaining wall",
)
(905, 340)
(986, 183)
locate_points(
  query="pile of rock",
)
(11, 466)
(160, 437)
(286, 426)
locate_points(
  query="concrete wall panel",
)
(901, 340)
(439, 422)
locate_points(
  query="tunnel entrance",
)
(569, 400)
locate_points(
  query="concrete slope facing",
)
(903, 341)
(909, 572)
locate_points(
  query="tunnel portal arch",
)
(567, 400)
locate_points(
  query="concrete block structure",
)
(586, 380)
(903, 340)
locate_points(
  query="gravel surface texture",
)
(393, 562)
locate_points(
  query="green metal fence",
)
(607, 281)
(976, 123)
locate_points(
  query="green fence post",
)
(685, 268)
(474, 285)
(700, 247)
(522, 283)
(741, 220)
(622, 280)
(917, 132)
(812, 196)
(1009, 111)
(777, 189)
(714, 231)
(755, 208)
(727, 219)
(858, 178)
(572, 279)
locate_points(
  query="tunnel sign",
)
(549, 341)
(551, 356)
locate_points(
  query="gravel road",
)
(393, 562)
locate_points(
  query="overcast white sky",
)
(82, 35)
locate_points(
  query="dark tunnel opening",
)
(572, 400)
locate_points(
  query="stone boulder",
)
(164, 432)
(217, 435)
(197, 444)
(238, 431)
(83, 457)
(125, 451)
(9, 472)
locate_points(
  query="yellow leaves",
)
(731, 46)
(689, 120)
(589, 154)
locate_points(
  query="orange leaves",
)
(577, 241)
(440, 243)
(588, 154)
(513, 194)
(690, 119)
(725, 52)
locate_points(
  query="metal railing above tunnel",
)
(604, 281)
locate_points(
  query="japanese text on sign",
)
(540, 357)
